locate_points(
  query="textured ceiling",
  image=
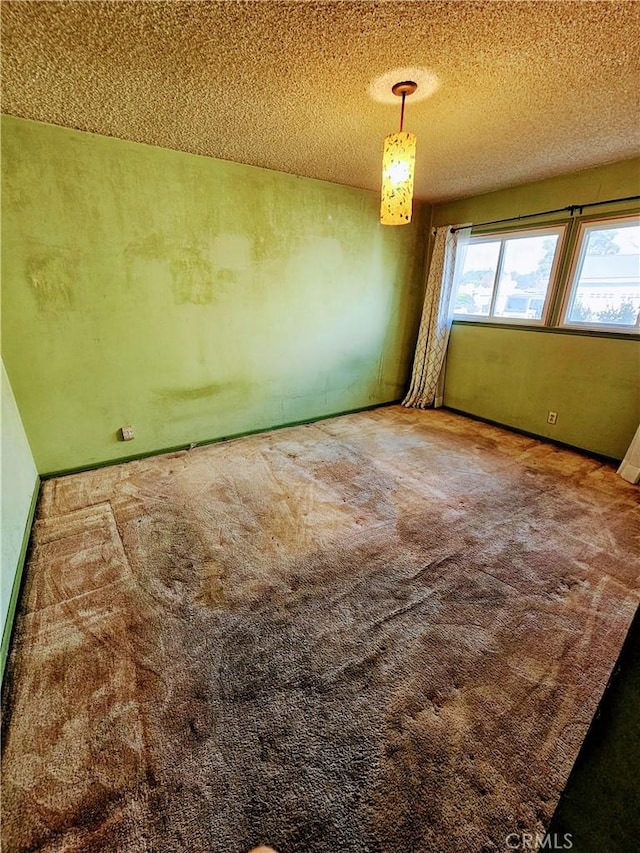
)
(520, 90)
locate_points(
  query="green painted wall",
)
(19, 488)
(614, 180)
(193, 298)
(515, 376)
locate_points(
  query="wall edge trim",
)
(107, 463)
(585, 451)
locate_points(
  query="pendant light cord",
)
(404, 95)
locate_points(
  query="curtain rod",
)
(570, 208)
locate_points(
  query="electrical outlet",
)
(552, 417)
(127, 433)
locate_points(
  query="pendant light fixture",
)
(398, 160)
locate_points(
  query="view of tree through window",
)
(508, 277)
(606, 285)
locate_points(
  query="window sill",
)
(554, 330)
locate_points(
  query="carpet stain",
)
(381, 633)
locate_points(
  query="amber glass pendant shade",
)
(398, 162)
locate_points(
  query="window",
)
(507, 277)
(604, 290)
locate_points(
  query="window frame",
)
(571, 280)
(561, 229)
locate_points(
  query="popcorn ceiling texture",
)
(527, 90)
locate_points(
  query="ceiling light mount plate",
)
(405, 87)
(381, 88)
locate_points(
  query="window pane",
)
(607, 291)
(524, 280)
(475, 284)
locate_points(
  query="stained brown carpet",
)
(385, 632)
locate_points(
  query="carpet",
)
(380, 633)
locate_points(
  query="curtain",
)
(427, 378)
(630, 466)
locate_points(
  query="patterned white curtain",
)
(630, 466)
(427, 378)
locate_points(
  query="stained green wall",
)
(193, 298)
(196, 298)
(515, 376)
(19, 488)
